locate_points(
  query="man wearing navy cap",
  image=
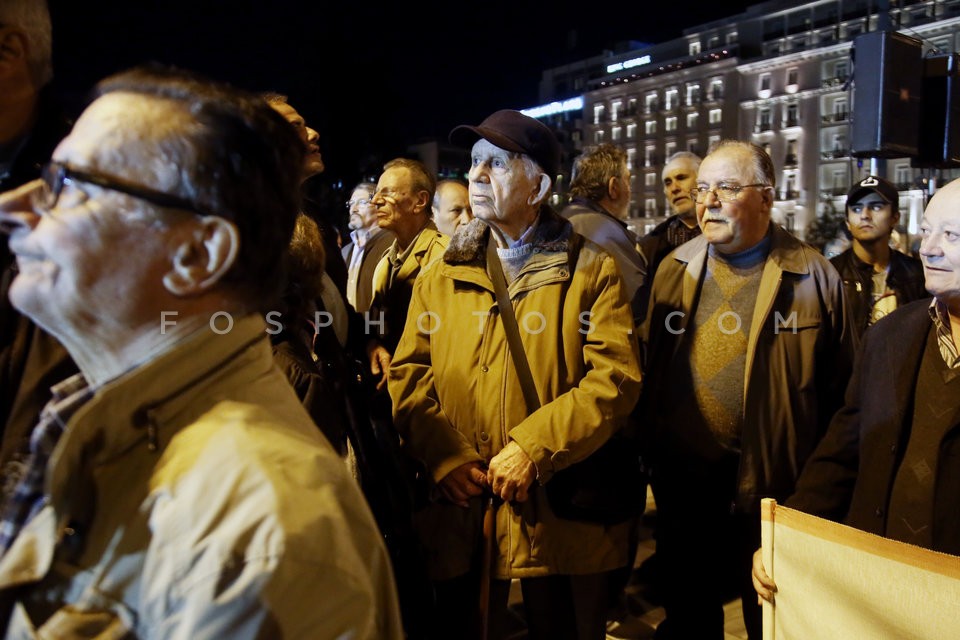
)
(459, 405)
(876, 278)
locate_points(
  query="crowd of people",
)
(217, 422)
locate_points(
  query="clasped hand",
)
(509, 476)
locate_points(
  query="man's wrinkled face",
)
(679, 179)
(500, 187)
(940, 247)
(452, 207)
(871, 218)
(96, 256)
(313, 162)
(363, 215)
(395, 199)
(742, 222)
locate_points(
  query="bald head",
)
(451, 206)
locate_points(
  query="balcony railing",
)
(790, 161)
(833, 118)
(836, 81)
(760, 127)
(834, 154)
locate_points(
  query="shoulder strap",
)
(509, 319)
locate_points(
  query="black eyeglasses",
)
(56, 174)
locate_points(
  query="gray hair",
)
(33, 18)
(691, 157)
(764, 173)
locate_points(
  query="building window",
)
(790, 160)
(632, 107)
(763, 119)
(669, 149)
(693, 94)
(615, 110)
(650, 126)
(650, 103)
(713, 42)
(615, 134)
(650, 179)
(631, 158)
(902, 176)
(839, 181)
(692, 145)
(692, 120)
(598, 136)
(840, 70)
(695, 48)
(712, 140)
(765, 85)
(840, 110)
(650, 207)
(597, 113)
(578, 84)
(732, 37)
(648, 154)
(670, 123)
(793, 76)
(715, 116)
(791, 119)
(631, 131)
(716, 89)
(672, 99)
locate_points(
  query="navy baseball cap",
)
(513, 131)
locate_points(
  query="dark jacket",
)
(795, 370)
(654, 247)
(905, 278)
(850, 476)
(372, 252)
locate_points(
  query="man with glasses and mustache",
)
(369, 243)
(176, 487)
(749, 352)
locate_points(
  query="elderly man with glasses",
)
(749, 351)
(368, 244)
(176, 487)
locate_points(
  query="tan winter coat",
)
(457, 398)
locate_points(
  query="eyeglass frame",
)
(56, 174)
(361, 202)
(695, 193)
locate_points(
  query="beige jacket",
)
(194, 498)
(457, 398)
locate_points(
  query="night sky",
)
(371, 77)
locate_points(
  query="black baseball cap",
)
(513, 131)
(876, 185)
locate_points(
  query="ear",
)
(541, 190)
(613, 188)
(13, 48)
(201, 258)
(767, 195)
(422, 203)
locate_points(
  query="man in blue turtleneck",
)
(748, 355)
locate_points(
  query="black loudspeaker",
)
(888, 72)
(940, 119)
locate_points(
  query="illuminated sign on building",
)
(628, 64)
(573, 104)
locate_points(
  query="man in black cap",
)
(876, 278)
(461, 409)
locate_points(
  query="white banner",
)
(839, 583)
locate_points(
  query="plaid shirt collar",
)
(28, 498)
(941, 320)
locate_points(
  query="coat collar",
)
(469, 244)
(785, 251)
